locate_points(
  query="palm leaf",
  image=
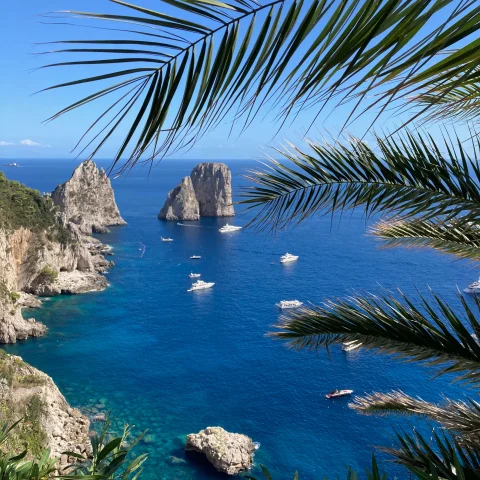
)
(409, 176)
(431, 332)
(461, 240)
(212, 58)
(461, 418)
(440, 457)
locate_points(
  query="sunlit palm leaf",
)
(462, 240)
(429, 332)
(191, 67)
(439, 457)
(409, 176)
(461, 418)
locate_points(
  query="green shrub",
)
(21, 206)
(47, 275)
(14, 296)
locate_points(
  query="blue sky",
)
(22, 133)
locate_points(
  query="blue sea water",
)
(175, 362)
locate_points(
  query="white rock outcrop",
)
(212, 183)
(181, 203)
(206, 193)
(87, 200)
(230, 453)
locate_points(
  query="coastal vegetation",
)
(415, 57)
(21, 206)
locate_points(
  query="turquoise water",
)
(175, 362)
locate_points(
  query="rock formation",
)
(230, 453)
(29, 393)
(87, 200)
(206, 193)
(181, 203)
(212, 183)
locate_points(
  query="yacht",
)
(288, 257)
(349, 346)
(338, 393)
(14, 164)
(289, 304)
(200, 285)
(195, 257)
(229, 228)
(167, 239)
(195, 275)
(473, 287)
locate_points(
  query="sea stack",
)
(206, 193)
(212, 183)
(181, 203)
(230, 453)
(87, 200)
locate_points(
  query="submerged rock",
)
(87, 200)
(212, 183)
(181, 203)
(230, 453)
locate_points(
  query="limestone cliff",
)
(181, 203)
(48, 420)
(87, 200)
(206, 193)
(212, 183)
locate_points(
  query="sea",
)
(171, 362)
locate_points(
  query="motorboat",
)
(200, 285)
(195, 275)
(14, 164)
(229, 228)
(288, 304)
(338, 394)
(288, 257)
(195, 257)
(167, 239)
(349, 346)
(473, 287)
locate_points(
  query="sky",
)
(23, 133)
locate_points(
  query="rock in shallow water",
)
(230, 453)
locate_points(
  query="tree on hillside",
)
(179, 72)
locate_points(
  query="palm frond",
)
(439, 457)
(460, 418)
(453, 99)
(409, 176)
(430, 332)
(461, 240)
(207, 58)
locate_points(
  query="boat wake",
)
(192, 226)
(130, 250)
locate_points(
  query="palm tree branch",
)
(461, 240)
(340, 46)
(336, 176)
(432, 333)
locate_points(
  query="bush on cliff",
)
(47, 276)
(21, 206)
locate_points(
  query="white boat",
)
(289, 304)
(349, 346)
(14, 164)
(200, 285)
(473, 287)
(167, 239)
(339, 393)
(195, 275)
(195, 257)
(229, 228)
(288, 257)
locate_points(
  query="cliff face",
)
(181, 203)
(87, 200)
(206, 193)
(48, 421)
(212, 183)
